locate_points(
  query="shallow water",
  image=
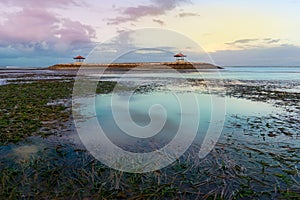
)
(261, 73)
(228, 73)
(169, 110)
(285, 79)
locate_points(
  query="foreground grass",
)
(37, 108)
(24, 109)
(64, 172)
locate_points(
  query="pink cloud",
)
(158, 7)
(41, 26)
(28, 25)
(40, 3)
(74, 31)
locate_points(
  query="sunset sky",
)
(253, 32)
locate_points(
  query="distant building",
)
(79, 59)
(179, 57)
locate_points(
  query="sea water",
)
(173, 83)
(117, 116)
(228, 73)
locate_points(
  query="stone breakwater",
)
(162, 65)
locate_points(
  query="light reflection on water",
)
(139, 108)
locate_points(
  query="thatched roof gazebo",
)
(79, 59)
(180, 57)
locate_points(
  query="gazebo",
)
(179, 57)
(79, 59)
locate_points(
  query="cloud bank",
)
(40, 3)
(39, 25)
(36, 30)
(133, 13)
(256, 43)
(285, 55)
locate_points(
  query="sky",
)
(231, 32)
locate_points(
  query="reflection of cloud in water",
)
(139, 108)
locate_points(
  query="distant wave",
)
(18, 67)
(2, 81)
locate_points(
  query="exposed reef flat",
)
(41, 156)
(158, 65)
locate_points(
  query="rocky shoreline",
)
(158, 65)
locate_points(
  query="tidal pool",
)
(122, 117)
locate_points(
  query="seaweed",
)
(34, 108)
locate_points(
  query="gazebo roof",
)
(179, 55)
(79, 57)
